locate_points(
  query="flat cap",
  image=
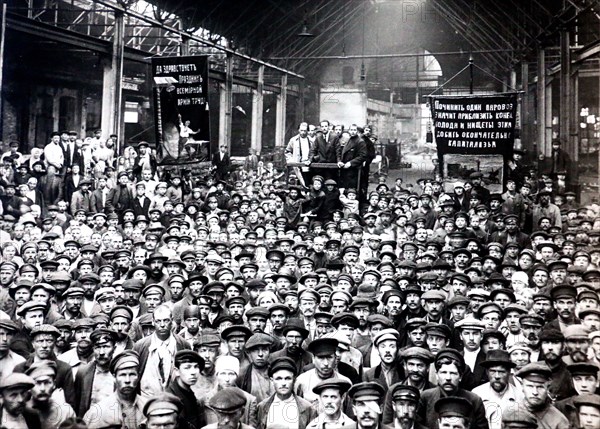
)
(578, 332)
(282, 363)
(121, 311)
(8, 325)
(417, 353)
(470, 322)
(434, 295)
(343, 385)
(367, 391)
(591, 400)
(30, 306)
(386, 334)
(16, 379)
(45, 329)
(438, 329)
(163, 404)
(535, 371)
(42, 368)
(259, 339)
(532, 319)
(563, 291)
(517, 417)
(125, 359)
(227, 401)
(103, 336)
(345, 319)
(583, 368)
(257, 312)
(323, 346)
(552, 335)
(453, 406)
(188, 356)
(404, 392)
(236, 331)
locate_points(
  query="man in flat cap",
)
(453, 412)
(564, 302)
(207, 346)
(499, 392)
(331, 394)
(366, 398)
(404, 402)
(588, 408)
(284, 409)
(450, 367)
(536, 382)
(517, 417)
(44, 338)
(8, 358)
(551, 352)
(584, 377)
(294, 334)
(228, 404)
(254, 379)
(324, 360)
(14, 412)
(188, 365)
(162, 411)
(471, 332)
(388, 371)
(121, 317)
(53, 411)
(94, 381)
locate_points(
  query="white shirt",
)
(8, 363)
(159, 353)
(470, 358)
(495, 403)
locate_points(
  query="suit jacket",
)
(376, 374)
(141, 209)
(76, 159)
(143, 345)
(326, 151)
(354, 152)
(84, 381)
(501, 237)
(79, 201)
(64, 377)
(70, 186)
(222, 165)
(114, 202)
(98, 206)
(32, 418)
(306, 412)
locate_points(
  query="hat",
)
(259, 339)
(282, 363)
(103, 336)
(434, 295)
(535, 371)
(125, 359)
(343, 385)
(453, 406)
(589, 399)
(576, 332)
(552, 335)
(42, 368)
(497, 357)
(404, 392)
(583, 368)
(236, 331)
(257, 312)
(295, 324)
(531, 319)
(30, 306)
(163, 404)
(345, 319)
(16, 379)
(453, 354)
(188, 356)
(208, 338)
(367, 391)
(228, 401)
(437, 329)
(386, 334)
(323, 347)
(153, 289)
(45, 329)
(470, 322)
(8, 325)
(417, 353)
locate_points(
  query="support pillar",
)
(525, 105)
(257, 111)
(574, 135)
(549, 131)
(112, 91)
(226, 104)
(185, 46)
(541, 101)
(565, 91)
(2, 39)
(280, 114)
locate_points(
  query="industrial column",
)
(257, 110)
(565, 91)
(226, 104)
(525, 105)
(112, 91)
(541, 101)
(280, 114)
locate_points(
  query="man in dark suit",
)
(221, 163)
(43, 338)
(145, 161)
(512, 233)
(72, 152)
(353, 155)
(326, 148)
(101, 195)
(93, 381)
(120, 198)
(141, 203)
(386, 373)
(283, 373)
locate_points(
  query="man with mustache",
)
(551, 351)
(387, 372)
(120, 322)
(284, 407)
(366, 398)
(498, 393)
(564, 300)
(450, 367)
(405, 401)
(536, 382)
(531, 326)
(577, 344)
(123, 407)
(188, 365)
(52, 412)
(294, 334)
(254, 379)
(331, 394)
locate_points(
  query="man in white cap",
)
(386, 373)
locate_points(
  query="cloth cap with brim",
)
(163, 404)
(563, 291)
(470, 323)
(236, 331)
(125, 359)
(45, 329)
(576, 332)
(591, 400)
(367, 391)
(259, 339)
(497, 358)
(385, 335)
(340, 384)
(41, 369)
(296, 325)
(453, 406)
(517, 417)
(417, 353)
(282, 363)
(583, 368)
(30, 306)
(9, 325)
(437, 329)
(188, 356)
(535, 371)
(402, 392)
(228, 400)
(344, 318)
(16, 380)
(323, 346)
